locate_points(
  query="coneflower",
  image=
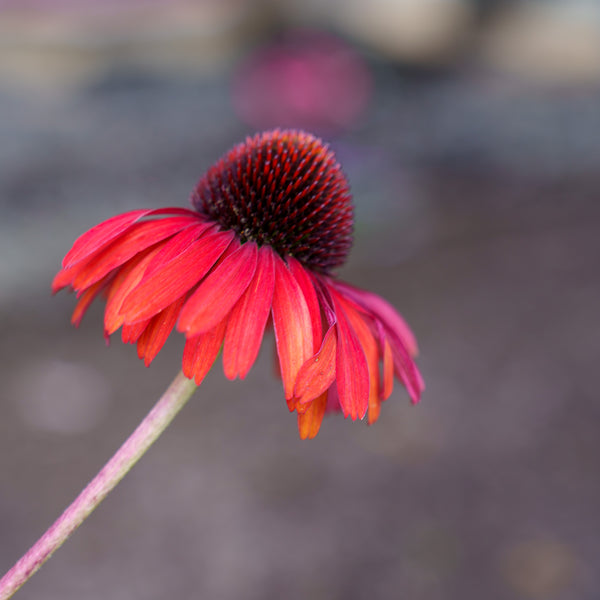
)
(270, 221)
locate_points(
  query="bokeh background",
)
(470, 132)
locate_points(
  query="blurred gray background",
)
(470, 132)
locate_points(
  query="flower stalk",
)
(157, 420)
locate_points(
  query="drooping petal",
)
(309, 422)
(387, 383)
(62, 279)
(125, 280)
(164, 286)
(369, 346)
(136, 239)
(310, 295)
(322, 287)
(131, 332)
(173, 248)
(293, 327)
(406, 369)
(384, 311)
(318, 372)
(200, 352)
(85, 300)
(102, 234)
(401, 355)
(248, 318)
(352, 373)
(333, 400)
(218, 293)
(157, 331)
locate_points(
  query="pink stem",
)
(126, 456)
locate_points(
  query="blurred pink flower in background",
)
(311, 81)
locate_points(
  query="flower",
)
(311, 79)
(270, 221)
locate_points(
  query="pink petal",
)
(218, 293)
(406, 369)
(318, 372)
(293, 327)
(102, 234)
(333, 399)
(248, 318)
(164, 286)
(200, 352)
(383, 311)
(352, 373)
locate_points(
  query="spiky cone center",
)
(284, 189)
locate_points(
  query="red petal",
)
(293, 327)
(218, 293)
(126, 279)
(137, 238)
(85, 300)
(369, 346)
(164, 286)
(384, 311)
(387, 384)
(247, 320)
(308, 289)
(352, 373)
(158, 330)
(310, 421)
(177, 245)
(102, 234)
(318, 372)
(200, 352)
(62, 279)
(131, 332)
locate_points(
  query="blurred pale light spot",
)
(554, 42)
(539, 568)
(423, 31)
(61, 397)
(61, 44)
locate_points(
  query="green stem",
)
(178, 393)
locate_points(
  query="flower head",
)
(270, 220)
